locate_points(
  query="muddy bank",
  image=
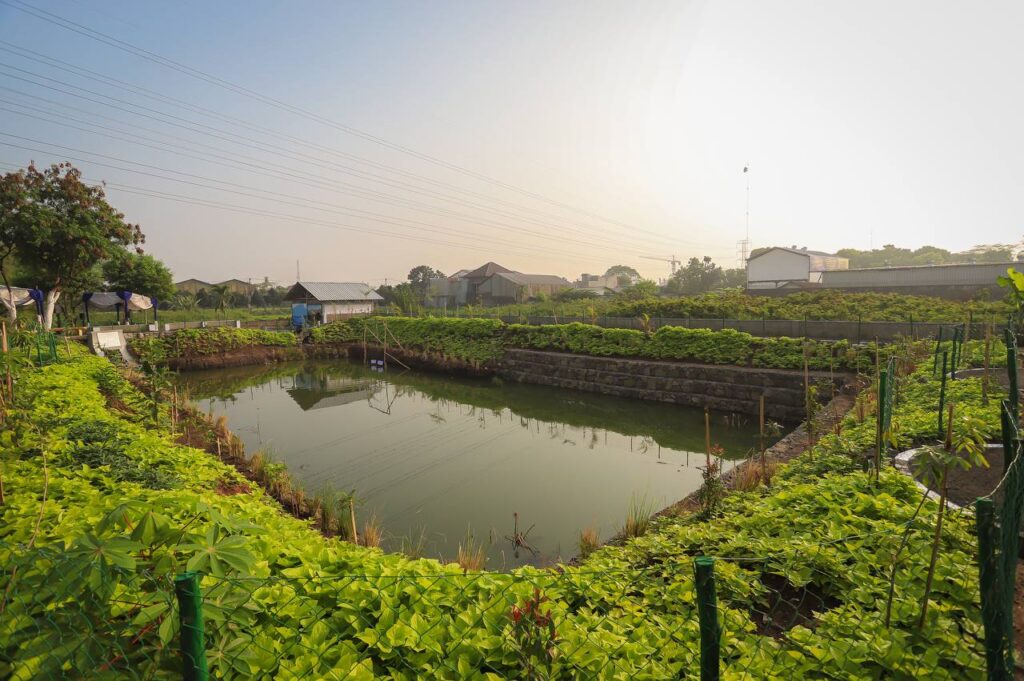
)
(248, 356)
(394, 358)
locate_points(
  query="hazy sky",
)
(365, 138)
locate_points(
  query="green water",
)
(434, 457)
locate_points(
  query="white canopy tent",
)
(19, 296)
(117, 300)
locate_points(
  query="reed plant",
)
(638, 517)
(472, 555)
(373, 533)
(588, 541)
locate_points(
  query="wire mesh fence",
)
(792, 614)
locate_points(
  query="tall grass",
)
(638, 516)
(472, 555)
(588, 541)
(373, 533)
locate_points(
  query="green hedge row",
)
(194, 342)
(483, 340)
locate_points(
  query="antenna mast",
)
(743, 246)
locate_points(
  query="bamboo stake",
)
(352, 518)
(764, 469)
(984, 376)
(3, 340)
(707, 436)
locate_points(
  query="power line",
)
(258, 193)
(272, 172)
(53, 62)
(256, 144)
(165, 62)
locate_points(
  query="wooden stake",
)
(763, 466)
(8, 379)
(984, 376)
(707, 436)
(352, 516)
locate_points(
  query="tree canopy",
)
(701, 275)
(61, 229)
(627, 275)
(139, 273)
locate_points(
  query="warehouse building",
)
(949, 281)
(781, 268)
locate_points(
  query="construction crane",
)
(670, 259)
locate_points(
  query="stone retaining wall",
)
(727, 388)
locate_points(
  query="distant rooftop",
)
(798, 251)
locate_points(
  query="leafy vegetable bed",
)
(102, 510)
(482, 340)
(813, 305)
(193, 342)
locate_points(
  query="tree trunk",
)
(10, 307)
(52, 297)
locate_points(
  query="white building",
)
(780, 267)
(324, 301)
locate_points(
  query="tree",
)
(61, 229)
(734, 278)
(219, 294)
(419, 279)
(699, 276)
(183, 300)
(13, 202)
(627, 275)
(127, 271)
(401, 296)
(645, 288)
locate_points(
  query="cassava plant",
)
(963, 449)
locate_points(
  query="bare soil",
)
(964, 486)
(789, 606)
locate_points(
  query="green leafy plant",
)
(534, 636)
(963, 448)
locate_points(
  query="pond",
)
(435, 458)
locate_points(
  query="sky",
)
(352, 141)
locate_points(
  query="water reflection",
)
(433, 457)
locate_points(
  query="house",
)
(238, 286)
(777, 267)
(491, 284)
(317, 302)
(600, 284)
(193, 286)
(504, 288)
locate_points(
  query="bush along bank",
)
(216, 348)
(485, 340)
(102, 508)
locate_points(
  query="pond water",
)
(434, 458)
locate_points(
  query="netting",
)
(789, 614)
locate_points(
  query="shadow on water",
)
(431, 456)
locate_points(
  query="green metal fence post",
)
(942, 395)
(989, 576)
(1011, 371)
(938, 347)
(190, 613)
(707, 611)
(1006, 430)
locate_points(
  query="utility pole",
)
(298, 277)
(743, 246)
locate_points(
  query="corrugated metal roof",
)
(798, 251)
(524, 279)
(333, 290)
